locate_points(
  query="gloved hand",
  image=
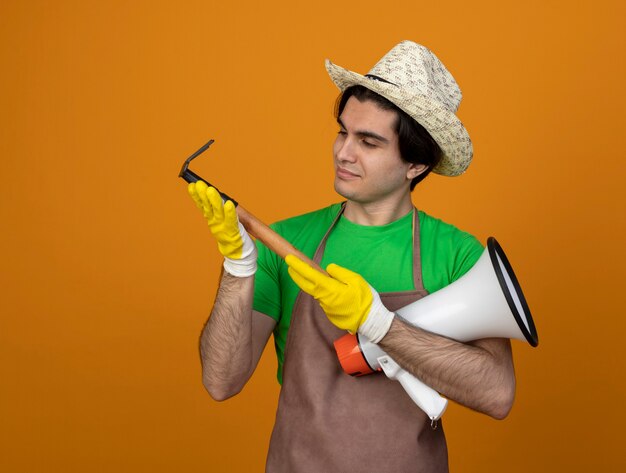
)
(348, 300)
(232, 239)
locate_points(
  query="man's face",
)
(368, 166)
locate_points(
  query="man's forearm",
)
(478, 375)
(226, 342)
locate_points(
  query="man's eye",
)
(342, 132)
(368, 144)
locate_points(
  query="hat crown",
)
(415, 69)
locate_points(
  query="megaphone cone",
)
(486, 302)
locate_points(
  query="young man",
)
(396, 124)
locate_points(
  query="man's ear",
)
(415, 170)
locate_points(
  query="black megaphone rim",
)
(496, 250)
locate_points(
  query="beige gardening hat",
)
(413, 78)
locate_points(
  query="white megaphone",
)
(486, 302)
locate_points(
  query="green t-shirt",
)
(383, 255)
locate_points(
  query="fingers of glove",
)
(300, 272)
(191, 188)
(309, 279)
(214, 199)
(361, 292)
(344, 275)
(205, 205)
(200, 186)
(193, 192)
(302, 282)
(231, 235)
(230, 217)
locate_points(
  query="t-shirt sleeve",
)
(447, 252)
(267, 298)
(468, 252)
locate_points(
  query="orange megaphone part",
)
(351, 357)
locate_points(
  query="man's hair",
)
(415, 143)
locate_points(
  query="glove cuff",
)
(378, 320)
(246, 265)
(240, 268)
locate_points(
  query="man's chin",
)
(352, 195)
(342, 190)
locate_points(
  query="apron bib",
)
(329, 421)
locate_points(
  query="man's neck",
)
(377, 213)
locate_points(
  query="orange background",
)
(108, 271)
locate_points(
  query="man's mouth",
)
(343, 173)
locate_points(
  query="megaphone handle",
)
(427, 399)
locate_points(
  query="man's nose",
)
(345, 151)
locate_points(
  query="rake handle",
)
(271, 239)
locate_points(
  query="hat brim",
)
(442, 124)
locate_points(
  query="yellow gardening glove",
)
(348, 300)
(233, 241)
